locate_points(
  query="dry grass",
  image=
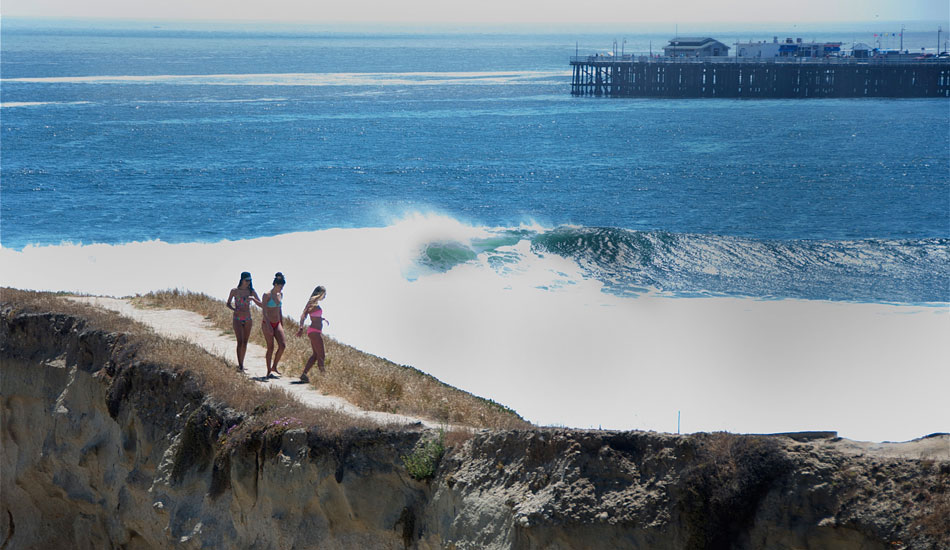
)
(368, 381)
(42, 302)
(456, 438)
(262, 405)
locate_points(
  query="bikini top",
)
(316, 313)
(272, 303)
(240, 302)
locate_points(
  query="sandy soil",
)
(934, 447)
(190, 326)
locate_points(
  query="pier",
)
(669, 77)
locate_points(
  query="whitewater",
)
(537, 332)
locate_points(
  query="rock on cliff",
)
(104, 450)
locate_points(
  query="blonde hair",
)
(315, 296)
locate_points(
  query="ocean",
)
(751, 266)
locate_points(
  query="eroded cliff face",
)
(102, 450)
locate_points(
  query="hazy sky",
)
(492, 11)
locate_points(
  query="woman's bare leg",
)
(269, 338)
(238, 335)
(242, 332)
(242, 342)
(281, 344)
(318, 356)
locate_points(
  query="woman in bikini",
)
(242, 296)
(272, 324)
(314, 331)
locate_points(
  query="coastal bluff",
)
(102, 449)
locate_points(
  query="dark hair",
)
(279, 279)
(250, 283)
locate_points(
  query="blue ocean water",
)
(117, 133)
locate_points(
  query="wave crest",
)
(628, 261)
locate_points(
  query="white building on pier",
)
(787, 48)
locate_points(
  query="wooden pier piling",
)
(674, 78)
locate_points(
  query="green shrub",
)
(424, 459)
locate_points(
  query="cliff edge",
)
(103, 449)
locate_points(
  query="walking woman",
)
(314, 331)
(242, 296)
(272, 325)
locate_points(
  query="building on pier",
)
(787, 48)
(695, 47)
(861, 51)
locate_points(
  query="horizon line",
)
(785, 23)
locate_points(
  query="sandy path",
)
(190, 326)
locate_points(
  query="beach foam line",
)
(313, 79)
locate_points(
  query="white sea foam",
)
(213, 100)
(535, 334)
(10, 104)
(317, 79)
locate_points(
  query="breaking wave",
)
(863, 270)
(629, 262)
